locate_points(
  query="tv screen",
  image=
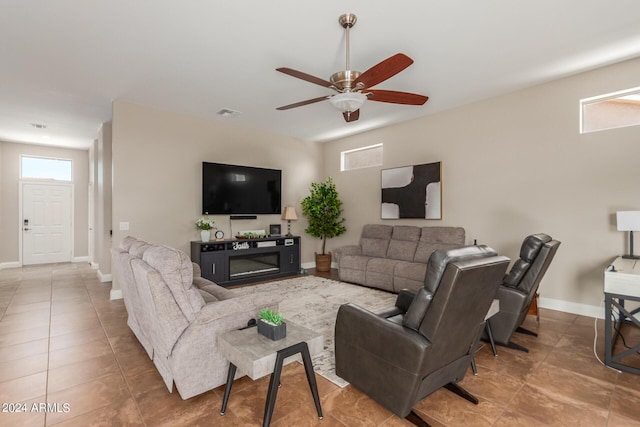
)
(231, 189)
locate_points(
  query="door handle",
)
(26, 229)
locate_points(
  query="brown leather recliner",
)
(519, 287)
(401, 355)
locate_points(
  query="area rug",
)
(313, 302)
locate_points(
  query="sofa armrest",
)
(197, 272)
(375, 335)
(345, 251)
(236, 306)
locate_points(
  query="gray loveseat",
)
(176, 317)
(393, 258)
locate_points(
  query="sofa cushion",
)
(138, 248)
(409, 275)
(379, 273)
(177, 272)
(406, 232)
(355, 262)
(217, 291)
(403, 243)
(207, 297)
(434, 238)
(352, 269)
(126, 243)
(374, 240)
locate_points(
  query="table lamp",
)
(629, 221)
(290, 215)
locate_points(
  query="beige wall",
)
(10, 190)
(516, 165)
(103, 190)
(157, 168)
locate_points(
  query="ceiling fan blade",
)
(384, 70)
(305, 76)
(395, 97)
(351, 116)
(301, 103)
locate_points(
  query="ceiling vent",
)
(39, 125)
(226, 112)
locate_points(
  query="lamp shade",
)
(628, 220)
(289, 213)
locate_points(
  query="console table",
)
(621, 282)
(233, 262)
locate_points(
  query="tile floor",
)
(67, 357)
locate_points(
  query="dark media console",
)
(233, 262)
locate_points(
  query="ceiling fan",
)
(353, 87)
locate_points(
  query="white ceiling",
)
(63, 62)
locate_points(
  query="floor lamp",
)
(629, 221)
(290, 215)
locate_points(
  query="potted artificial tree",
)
(323, 210)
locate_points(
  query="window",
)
(364, 157)
(45, 168)
(613, 110)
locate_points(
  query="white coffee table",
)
(257, 356)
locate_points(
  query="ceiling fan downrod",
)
(342, 79)
(347, 21)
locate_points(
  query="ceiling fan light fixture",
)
(348, 101)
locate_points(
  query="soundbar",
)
(243, 217)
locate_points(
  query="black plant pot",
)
(273, 332)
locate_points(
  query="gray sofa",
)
(393, 258)
(176, 317)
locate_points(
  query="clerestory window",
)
(613, 110)
(363, 157)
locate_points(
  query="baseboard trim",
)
(80, 259)
(94, 265)
(14, 264)
(308, 265)
(572, 307)
(115, 294)
(104, 277)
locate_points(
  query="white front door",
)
(46, 223)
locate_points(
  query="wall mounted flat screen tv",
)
(232, 189)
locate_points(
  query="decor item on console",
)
(629, 221)
(323, 209)
(393, 258)
(412, 192)
(177, 314)
(271, 325)
(205, 225)
(289, 215)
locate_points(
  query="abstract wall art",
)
(412, 192)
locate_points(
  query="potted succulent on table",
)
(323, 209)
(271, 325)
(205, 225)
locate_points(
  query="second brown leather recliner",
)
(519, 288)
